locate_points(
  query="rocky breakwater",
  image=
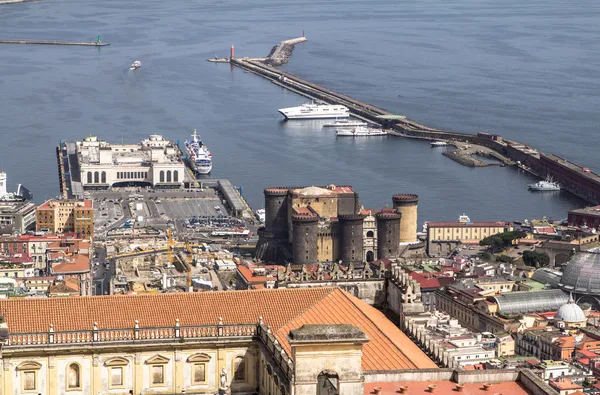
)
(280, 54)
(466, 155)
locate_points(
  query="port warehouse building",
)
(155, 161)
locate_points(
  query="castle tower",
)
(276, 211)
(304, 238)
(388, 234)
(407, 205)
(351, 238)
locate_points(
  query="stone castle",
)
(307, 225)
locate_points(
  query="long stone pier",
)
(54, 42)
(574, 178)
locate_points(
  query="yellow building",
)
(66, 216)
(278, 342)
(443, 237)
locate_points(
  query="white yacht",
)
(345, 123)
(464, 219)
(199, 157)
(315, 111)
(439, 143)
(136, 65)
(545, 185)
(360, 131)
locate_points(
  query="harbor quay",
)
(574, 178)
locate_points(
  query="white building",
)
(154, 161)
(16, 217)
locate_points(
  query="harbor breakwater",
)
(574, 178)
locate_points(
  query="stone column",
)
(138, 374)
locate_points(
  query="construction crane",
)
(170, 243)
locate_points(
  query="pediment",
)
(157, 359)
(118, 361)
(29, 365)
(200, 357)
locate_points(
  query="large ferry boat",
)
(199, 157)
(360, 131)
(545, 185)
(315, 111)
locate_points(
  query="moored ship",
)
(360, 131)
(315, 111)
(199, 157)
(545, 185)
(345, 123)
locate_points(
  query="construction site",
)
(163, 264)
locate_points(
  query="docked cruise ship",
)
(199, 157)
(315, 111)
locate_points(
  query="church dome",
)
(570, 312)
(582, 274)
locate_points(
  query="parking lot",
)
(186, 209)
(107, 212)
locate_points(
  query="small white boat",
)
(360, 131)
(136, 65)
(545, 185)
(464, 219)
(439, 144)
(345, 123)
(261, 215)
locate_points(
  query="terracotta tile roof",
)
(72, 264)
(446, 387)
(388, 347)
(277, 307)
(281, 309)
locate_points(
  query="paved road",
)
(103, 274)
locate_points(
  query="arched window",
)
(74, 376)
(104, 177)
(328, 383)
(175, 176)
(162, 176)
(96, 178)
(370, 256)
(370, 234)
(239, 369)
(168, 175)
(89, 177)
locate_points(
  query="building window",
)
(74, 377)
(29, 375)
(116, 377)
(116, 366)
(370, 234)
(199, 373)
(198, 364)
(96, 177)
(168, 175)
(162, 176)
(29, 381)
(175, 176)
(89, 177)
(158, 374)
(239, 369)
(157, 364)
(104, 177)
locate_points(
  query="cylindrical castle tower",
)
(388, 234)
(407, 205)
(304, 238)
(351, 238)
(276, 211)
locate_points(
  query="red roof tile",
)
(281, 309)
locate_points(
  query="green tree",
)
(501, 240)
(536, 259)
